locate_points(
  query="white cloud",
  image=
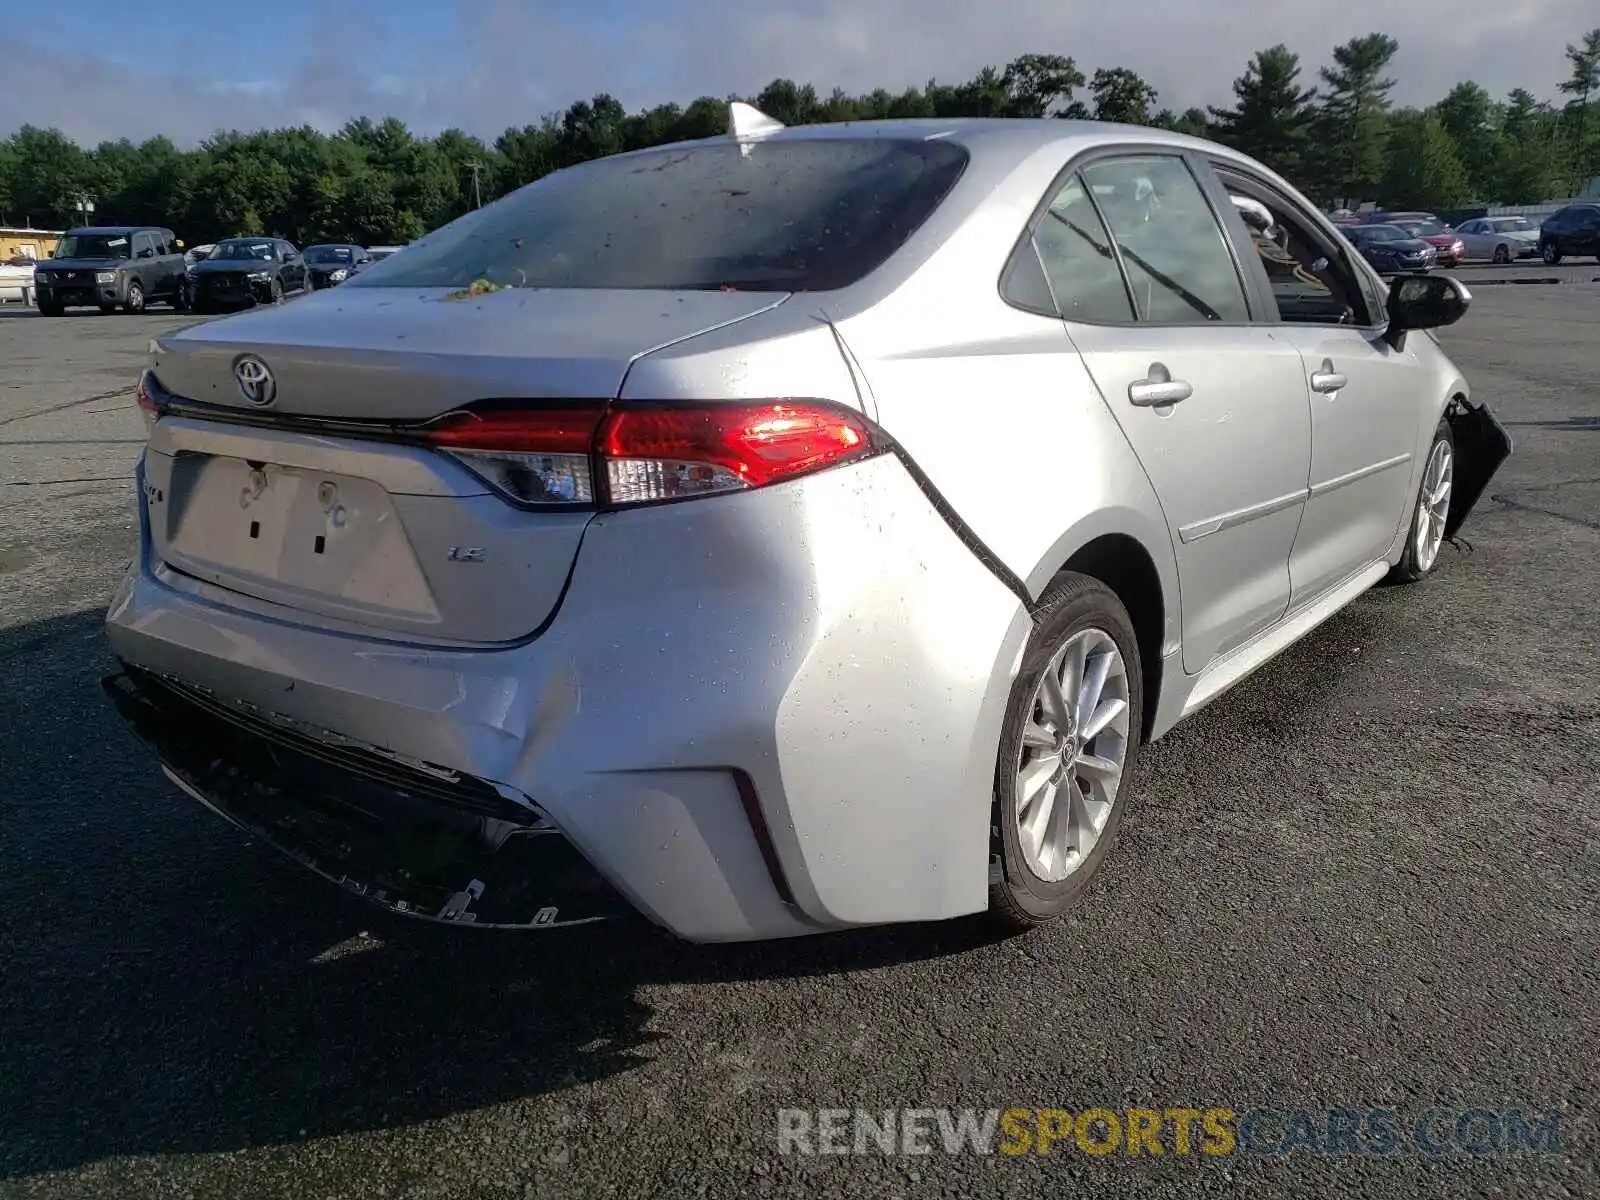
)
(510, 63)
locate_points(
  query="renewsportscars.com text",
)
(1178, 1132)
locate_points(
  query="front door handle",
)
(1158, 388)
(1326, 380)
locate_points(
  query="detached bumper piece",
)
(1482, 445)
(423, 842)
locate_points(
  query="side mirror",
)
(1424, 302)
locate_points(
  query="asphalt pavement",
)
(1368, 876)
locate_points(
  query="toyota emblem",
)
(256, 384)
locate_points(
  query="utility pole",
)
(477, 194)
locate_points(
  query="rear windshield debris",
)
(478, 287)
(789, 215)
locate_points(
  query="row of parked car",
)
(1399, 242)
(129, 267)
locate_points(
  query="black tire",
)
(1550, 254)
(107, 309)
(47, 309)
(133, 302)
(1410, 569)
(275, 292)
(1019, 899)
(1502, 255)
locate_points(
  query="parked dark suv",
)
(111, 267)
(244, 271)
(1574, 229)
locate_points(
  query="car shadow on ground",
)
(172, 987)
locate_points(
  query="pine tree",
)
(1352, 117)
(1121, 95)
(1533, 167)
(1582, 85)
(1473, 121)
(1271, 120)
(1422, 170)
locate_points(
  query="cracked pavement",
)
(1366, 876)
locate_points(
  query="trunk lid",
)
(371, 353)
(396, 539)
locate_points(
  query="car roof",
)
(1018, 136)
(109, 229)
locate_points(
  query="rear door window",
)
(786, 215)
(1169, 239)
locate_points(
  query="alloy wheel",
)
(1433, 506)
(1074, 749)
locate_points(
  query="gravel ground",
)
(1366, 877)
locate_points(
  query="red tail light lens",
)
(149, 406)
(534, 456)
(651, 454)
(558, 430)
(646, 453)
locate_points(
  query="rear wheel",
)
(1432, 509)
(1072, 727)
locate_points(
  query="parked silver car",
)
(1499, 239)
(778, 533)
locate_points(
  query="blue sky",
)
(110, 68)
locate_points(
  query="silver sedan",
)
(1499, 239)
(777, 533)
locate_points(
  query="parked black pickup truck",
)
(111, 267)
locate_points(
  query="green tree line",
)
(1334, 133)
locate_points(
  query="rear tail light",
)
(534, 457)
(648, 453)
(149, 406)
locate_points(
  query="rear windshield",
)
(243, 250)
(791, 216)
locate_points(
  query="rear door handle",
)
(1158, 388)
(1326, 380)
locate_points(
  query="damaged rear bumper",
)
(421, 842)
